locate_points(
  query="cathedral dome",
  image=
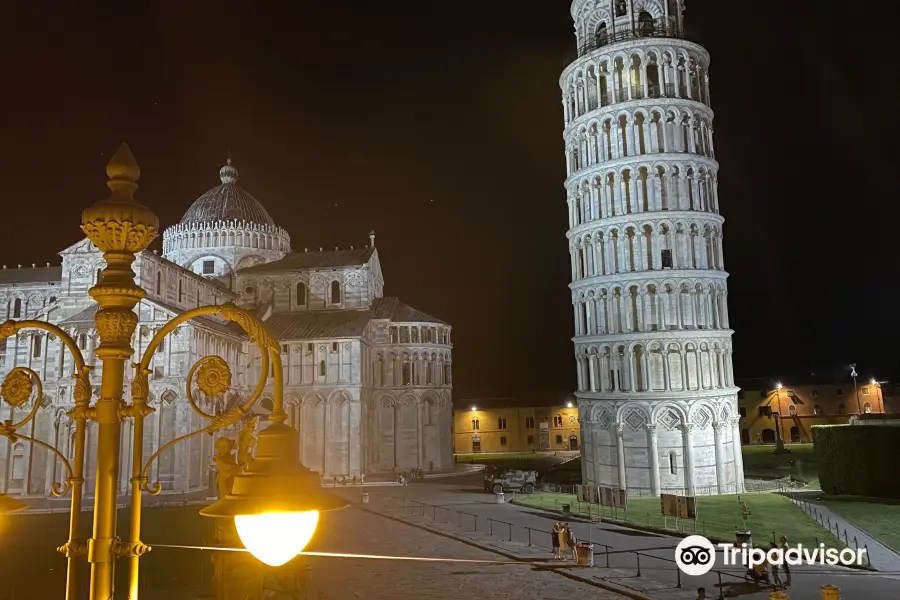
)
(227, 202)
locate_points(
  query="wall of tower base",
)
(662, 445)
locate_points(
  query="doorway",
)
(476, 444)
(573, 442)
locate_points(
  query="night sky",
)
(440, 126)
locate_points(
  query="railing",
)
(467, 521)
(659, 28)
(833, 528)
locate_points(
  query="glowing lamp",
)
(276, 502)
(778, 386)
(8, 504)
(568, 405)
(474, 408)
(874, 382)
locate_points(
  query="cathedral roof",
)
(227, 202)
(85, 316)
(398, 312)
(31, 275)
(318, 324)
(313, 260)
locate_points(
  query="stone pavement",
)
(658, 575)
(355, 531)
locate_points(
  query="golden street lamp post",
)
(271, 495)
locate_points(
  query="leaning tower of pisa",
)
(656, 392)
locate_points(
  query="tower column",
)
(736, 451)
(718, 427)
(620, 455)
(688, 458)
(654, 459)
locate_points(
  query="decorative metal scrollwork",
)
(213, 378)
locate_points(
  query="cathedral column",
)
(736, 451)
(720, 370)
(639, 183)
(420, 460)
(593, 372)
(720, 457)
(667, 383)
(632, 371)
(654, 460)
(620, 455)
(579, 368)
(688, 459)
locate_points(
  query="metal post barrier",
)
(638, 554)
(510, 531)
(529, 535)
(678, 577)
(868, 556)
(606, 547)
(721, 589)
(491, 524)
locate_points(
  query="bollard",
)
(500, 498)
(510, 531)
(779, 596)
(529, 535)
(607, 554)
(830, 592)
(365, 498)
(584, 554)
(638, 563)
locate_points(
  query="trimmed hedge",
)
(857, 460)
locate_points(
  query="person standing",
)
(701, 594)
(555, 536)
(773, 566)
(783, 544)
(571, 542)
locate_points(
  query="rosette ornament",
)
(17, 388)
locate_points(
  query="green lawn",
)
(760, 462)
(882, 521)
(718, 516)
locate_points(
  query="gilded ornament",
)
(255, 331)
(17, 388)
(214, 376)
(116, 326)
(7, 329)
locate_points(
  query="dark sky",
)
(440, 126)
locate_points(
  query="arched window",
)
(335, 292)
(474, 424)
(158, 283)
(621, 8)
(817, 410)
(36, 348)
(407, 373)
(645, 24)
(446, 373)
(601, 38)
(180, 291)
(301, 294)
(792, 410)
(323, 368)
(17, 308)
(867, 408)
(673, 463)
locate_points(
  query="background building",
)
(801, 403)
(367, 378)
(513, 425)
(652, 340)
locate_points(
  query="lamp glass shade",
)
(275, 538)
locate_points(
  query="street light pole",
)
(276, 489)
(855, 389)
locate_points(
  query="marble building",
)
(367, 377)
(656, 394)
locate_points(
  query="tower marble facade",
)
(656, 393)
(367, 378)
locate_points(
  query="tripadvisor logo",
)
(695, 555)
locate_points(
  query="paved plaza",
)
(658, 576)
(354, 531)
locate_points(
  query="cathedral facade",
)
(656, 392)
(367, 378)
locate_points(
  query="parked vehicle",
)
(510, 480)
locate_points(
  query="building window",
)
(301, 294)
(839, 391)
(474, 424)
(415, 335)
(162, 346)
(284, 348)
(36, 349)
(446, 373)
(82, 341)
(792, 410)
(323, 368)
(529, 422)
(502, 440)
(309, 348)
(559, 439)
(867, 408)
(335, 292)
(742, 410)
(404, 335)
(666, 259)
(841, 409)
(501, 423)
(393, 334)
(334, 346)
(158, 283)
(557, 421)
(765, 411)
(673, 464)
(531, 440)
(180, 291)
(815, 393)
(817, 410)
(17, 308)
(209, 267)
(864, 390)
(407, 374)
